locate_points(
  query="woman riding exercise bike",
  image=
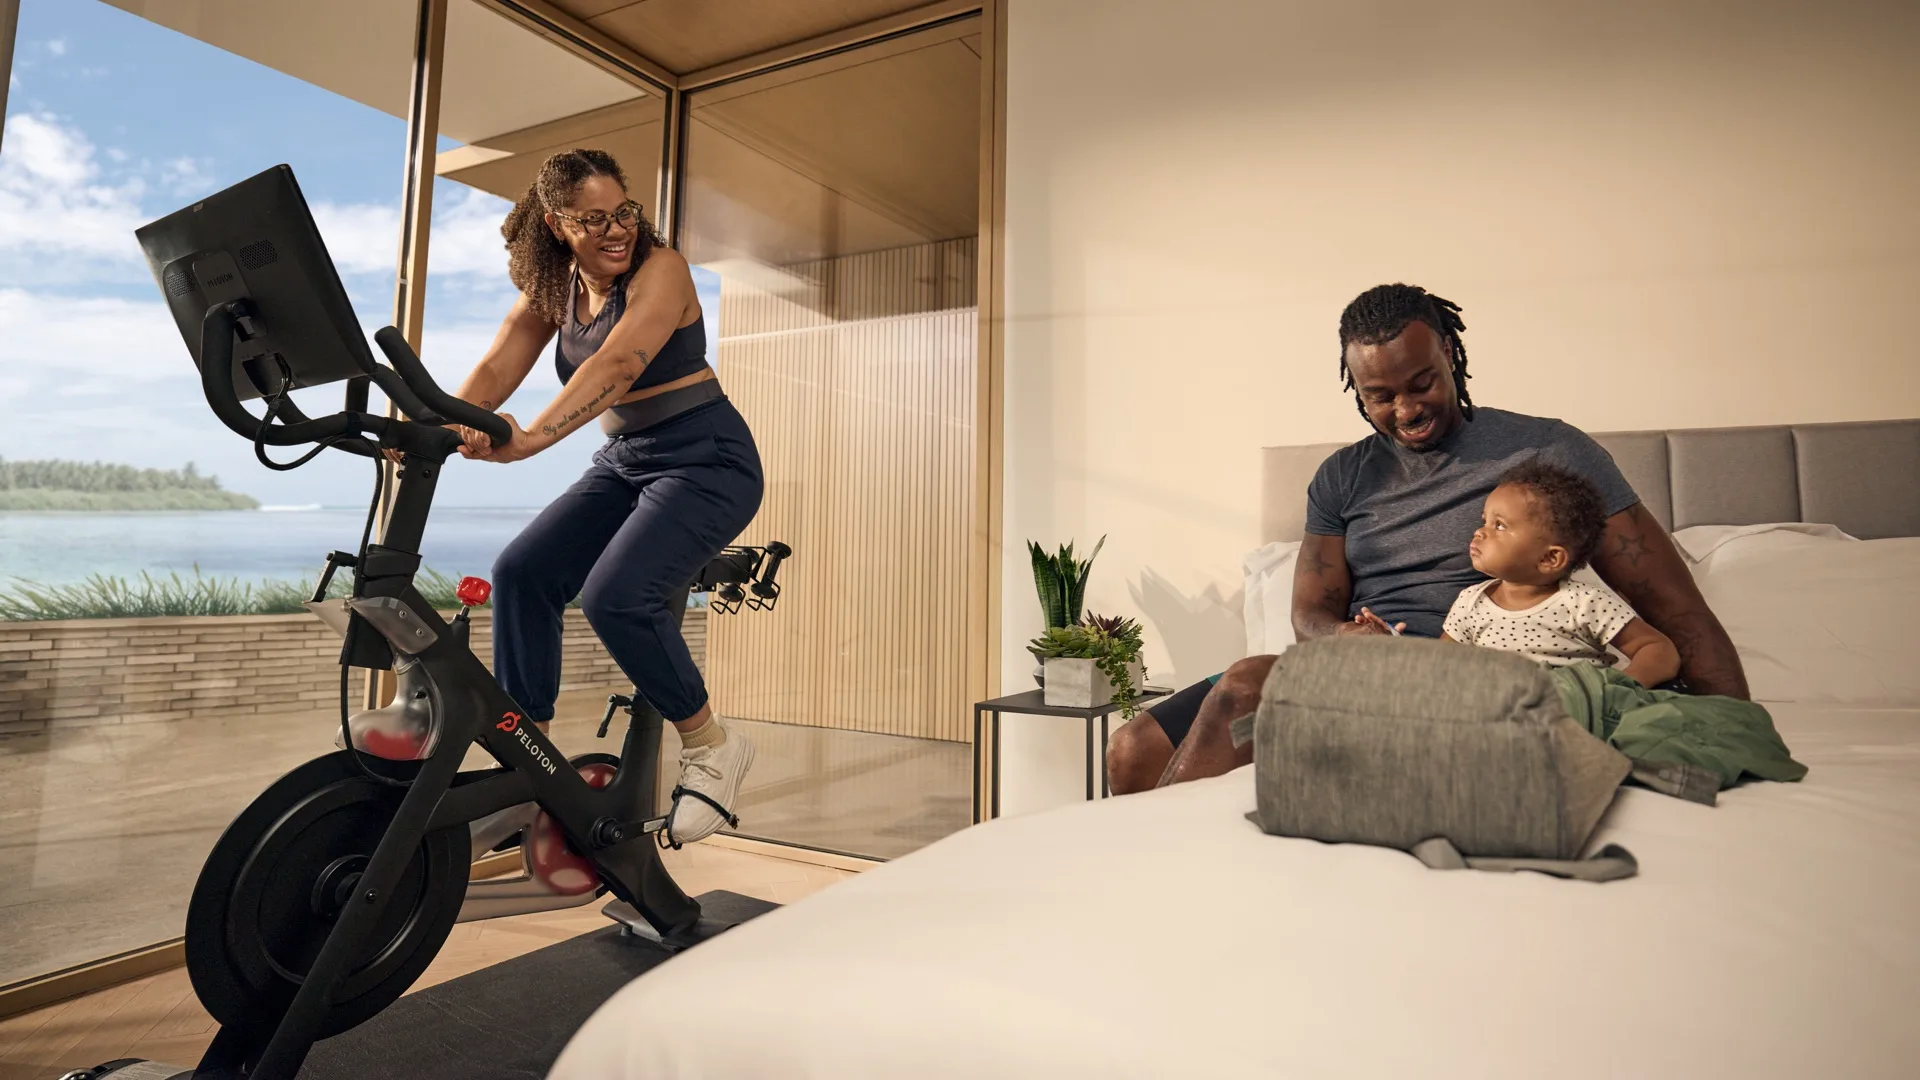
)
(678, 479)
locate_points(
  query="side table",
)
(986, 745)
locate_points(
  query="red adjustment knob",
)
(473, 591)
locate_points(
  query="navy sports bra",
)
(684, 354)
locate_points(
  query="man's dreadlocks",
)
(1380, 314)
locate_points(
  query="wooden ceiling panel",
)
(505, 164)
(742, 205)
(898, 135)
(687, 35)
(363, 50)
(589, 9)
(359, 49)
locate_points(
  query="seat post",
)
(641, 747)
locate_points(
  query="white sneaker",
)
(708, 773)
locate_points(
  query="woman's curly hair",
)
(540, 263)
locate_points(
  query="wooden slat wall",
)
(858, 377)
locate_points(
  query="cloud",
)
(62, 345)
(466, 235)
(100, 378)
(57, 46)
(93, 367)
(182, 176)
(365, 238)
(58, 215)
(68, 212)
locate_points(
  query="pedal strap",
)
(726, 815)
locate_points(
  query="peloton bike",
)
(330, 893)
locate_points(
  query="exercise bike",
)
(332, 891)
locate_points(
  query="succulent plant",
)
(1111, 642)
(1061, 581)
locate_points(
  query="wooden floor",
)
(158, 1017)
(103, 830)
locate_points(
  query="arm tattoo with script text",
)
(555, 428)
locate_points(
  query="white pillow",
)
(1269, 597)
(1818, 617)
(1698, 542)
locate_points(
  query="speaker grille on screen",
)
(179, 280)
(258, 254)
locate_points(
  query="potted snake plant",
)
(1060, 580)
(1093, 663)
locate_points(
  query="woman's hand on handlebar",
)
(476, 445)
(473, 444)
(479, 447)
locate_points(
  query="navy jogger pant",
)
(627, 538)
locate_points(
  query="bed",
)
(1160, 935)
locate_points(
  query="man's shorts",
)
(1175, 714)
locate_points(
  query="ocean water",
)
(288, 543)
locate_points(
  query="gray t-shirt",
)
(1408, 517)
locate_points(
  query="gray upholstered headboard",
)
(1863, 478)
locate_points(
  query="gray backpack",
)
(1464, 757)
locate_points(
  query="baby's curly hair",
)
(1573, 511)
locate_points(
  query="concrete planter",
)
(1078, 684)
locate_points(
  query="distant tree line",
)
(100, 476)
(97, 485)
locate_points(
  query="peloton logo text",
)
(511, 722)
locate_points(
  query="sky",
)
(96, 144)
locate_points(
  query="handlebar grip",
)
(416, 377)
(402, 395)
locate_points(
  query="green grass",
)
(104, 597)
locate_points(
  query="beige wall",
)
(1654, 214)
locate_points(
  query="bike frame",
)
(611, 826)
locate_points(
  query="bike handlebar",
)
(216, 381)
(408, 364)
(407, 384)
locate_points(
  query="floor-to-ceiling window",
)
(836, 202)
(829, 209)
(148, 689)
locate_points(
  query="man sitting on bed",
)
(1387, 523)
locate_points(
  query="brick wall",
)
(125, 671)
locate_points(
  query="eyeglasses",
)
(597, 223)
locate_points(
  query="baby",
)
(1540, 525)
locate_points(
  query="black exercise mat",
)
(506, 1022)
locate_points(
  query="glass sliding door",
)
(156, 670)
(833, 206)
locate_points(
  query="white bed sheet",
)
(1162, 935)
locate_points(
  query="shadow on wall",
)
(1202, 634)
